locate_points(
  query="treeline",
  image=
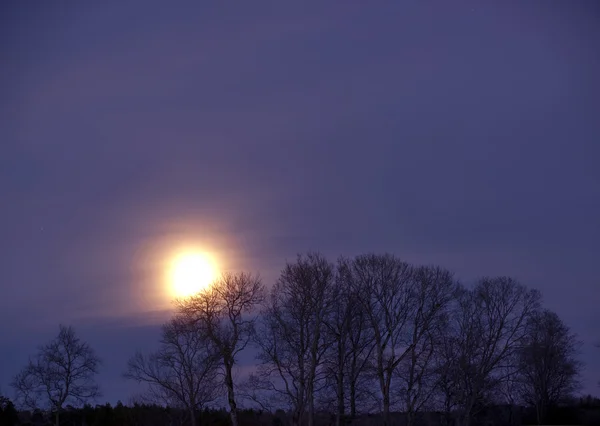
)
(371, 335)
(133, 415)
(584, 411)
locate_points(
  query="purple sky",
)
(463, 133)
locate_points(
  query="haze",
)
(463, 133)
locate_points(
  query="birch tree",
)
(62, 372)
(226, 314)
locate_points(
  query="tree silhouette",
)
(383, 286)
(489, 324)
(292, 334)
(433, 289)
(370, 340)
(62, 372)
(349, 345)
(224, 313)
(548, 364)
(183, 372)
(8, 412)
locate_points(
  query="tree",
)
(292, 337)
(8, 413)
(383, 284)
(360, 342)
(433, 290)
(490, 322)
(224, 313)
(183, 372)
(350, 344)
(548, 363)
(447, 370)
(61, 373)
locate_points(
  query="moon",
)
(191, 273)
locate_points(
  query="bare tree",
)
(224, 313)
(336, 332)
(350, 346)
(549, 367)
(292, 339)
(61, 373)
(448, 372)
(433, 289)
(509, 389)
(359, 365)
(490, 323)
(383, 283)
(183, 372)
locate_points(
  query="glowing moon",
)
(191, 273)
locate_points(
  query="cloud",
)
(276, 130)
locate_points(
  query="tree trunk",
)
(540, 411)
(465, 418)
(296, 418)
(410, 417)
(193, 416)
(311, 403)
(386, 409)
(231, 394)
(57, 421)
(352, 399)
(300, 405)
(313, 373)
(340, 385)
(341, 408)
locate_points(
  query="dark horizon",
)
(463, 135)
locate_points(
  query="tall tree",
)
(347, 361)
(183, 372)
(336, 332)
(433, 289)
(350, 344)
(447, 370)
(549, 364)
(292, 338)
(490, 323)
(62, 372)
(225, 314)
(359, 366)
(384, 286)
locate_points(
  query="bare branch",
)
(62, 372)
(383, 284)
(433, 291)
(292, 338)
(489, 325)
(548, 365)
(183, 372)
(225, 314)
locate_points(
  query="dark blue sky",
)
(463, 133)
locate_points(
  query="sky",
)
(462, 133)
